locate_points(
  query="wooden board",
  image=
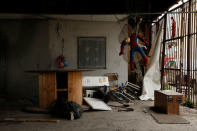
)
(112, 77)
(75, 87)
(47, 89)
(62, 89)
(97, 104)
(28, 120)
(58, 70)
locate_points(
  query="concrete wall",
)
(73, 29)
(34, 44)
(27, 49)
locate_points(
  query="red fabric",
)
(122, 47)
(133, 44)
(133, 40)
(60, 61)
(142, 39)
(132, 65)
(173, 27)
(121, 51)
(146, 61)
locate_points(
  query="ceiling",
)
(102, 17)
(62, 7)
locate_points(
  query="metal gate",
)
(179, 53)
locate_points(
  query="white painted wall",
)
(73, 29)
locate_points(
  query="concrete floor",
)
(137, 120)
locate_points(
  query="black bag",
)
(68, 110)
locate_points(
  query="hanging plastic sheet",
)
(151, 81)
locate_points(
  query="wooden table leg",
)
(75, 87)
(47, 89)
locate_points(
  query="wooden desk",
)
(48, 86)
(167, 101)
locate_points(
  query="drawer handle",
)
(179, 99)
(170, 99)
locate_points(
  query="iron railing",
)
(179, 54)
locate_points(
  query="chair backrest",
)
(136, 87)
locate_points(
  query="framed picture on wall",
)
(91, 52)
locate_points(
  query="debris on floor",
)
(118, 107)
(127, 93)
(97, 104)
(98, 98)
(127, 109)
(145, 110)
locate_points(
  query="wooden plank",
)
(40, 79)
(47, 89)
(28, 120)
(112, 77)
(97, 104)
(53, 88)
(75, 87)
(62, 89)
(58, 70)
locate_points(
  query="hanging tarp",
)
(151, 81)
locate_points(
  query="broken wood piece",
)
(127, 109)
(112, 77)
(97, 104)
(28, 120)
(85, 107)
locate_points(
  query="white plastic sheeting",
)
(152, 77)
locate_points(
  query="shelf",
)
(62, 89)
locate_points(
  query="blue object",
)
(133, 50)
(65, 63)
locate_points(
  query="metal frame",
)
(182, 49)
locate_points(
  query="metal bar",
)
(158, 13)
(180, 37)
(183, 3)
(163, 50)
(188, 51)
(192, 54)
(172, 10)
(195, 58)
